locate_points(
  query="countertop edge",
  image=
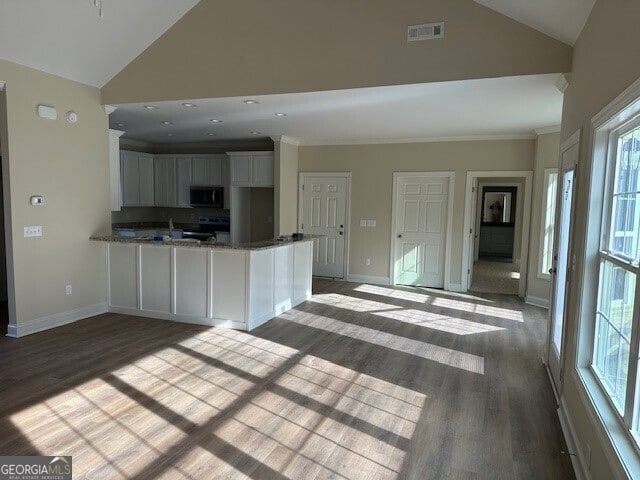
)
(207, 245)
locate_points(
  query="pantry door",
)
(324, 199)
(421, 217)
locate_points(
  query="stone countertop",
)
(274, 243)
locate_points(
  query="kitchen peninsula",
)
(238, 286)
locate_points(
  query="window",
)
(608, 342)
(548, 219)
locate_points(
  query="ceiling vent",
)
(426, 31)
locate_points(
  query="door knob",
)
(552, 271)
(399, 235)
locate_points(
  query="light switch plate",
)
(363, 223)
(371, 223)
(35, 231)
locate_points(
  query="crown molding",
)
(545, 130)
(109, 109)
(285, 139)
(383, 141)
(2, 84)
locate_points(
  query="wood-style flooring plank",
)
(360, 382)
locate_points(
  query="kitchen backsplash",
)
(159, 214)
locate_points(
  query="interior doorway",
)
(497, 218)
(324, 211)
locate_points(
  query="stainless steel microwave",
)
(206, 196)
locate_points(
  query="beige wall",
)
(372, 168)
(286, 188)
(68, 164)
(605, 63)
(547, 156)
(251, 47)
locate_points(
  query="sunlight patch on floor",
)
(489, 311)
(436, 353)
(350, 303)
(414, 296)
(457, 326)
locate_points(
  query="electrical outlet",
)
(367, 262)
(35, 231)
(69, 290)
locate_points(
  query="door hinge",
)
(471, 230)
(302, 226)
(473, 189)
(303, 186)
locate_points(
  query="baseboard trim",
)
(207, 322)
(456, 287)
(537, 301)
(570, 437)
(56, 320)
(369, 279)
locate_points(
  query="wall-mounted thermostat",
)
(47, 112)
(37, 200)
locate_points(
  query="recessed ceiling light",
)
(215, 120)
(166, 122)
(280, 114)
(120, 124)
(251, 102)
(151, 107)
(170, 134)
(253, 132)
(211, 134)
(189, 104)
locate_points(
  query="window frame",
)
(621, 444)
(543, 271)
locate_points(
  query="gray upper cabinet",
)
(251, 169)
(206, 170)
(137, 179)
(183, 183)
(165, 181)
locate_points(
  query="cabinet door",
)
(226, 178)
(207, 170)
(183, 181)
(241, 170)
(130, 178)
(145, 171)
(159, 196)
(263, 170)
(169, 182)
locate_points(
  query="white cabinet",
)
(251, 169)
(165, 181)
(206, 170)
(145, 168)
(183, 181)
(136, 176)
(262, 170)
(114, 169)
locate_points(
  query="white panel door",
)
(420, 234)
(324, 201)
(561, 262)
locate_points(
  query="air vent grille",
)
(426, 31)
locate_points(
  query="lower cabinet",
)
(239, 289)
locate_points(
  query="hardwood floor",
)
(361, 382)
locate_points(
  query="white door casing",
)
(563, 232)
(324, 200)
(421, 223)
(526, 222)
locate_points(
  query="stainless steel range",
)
(210, 228)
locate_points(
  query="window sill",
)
(623, 455)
